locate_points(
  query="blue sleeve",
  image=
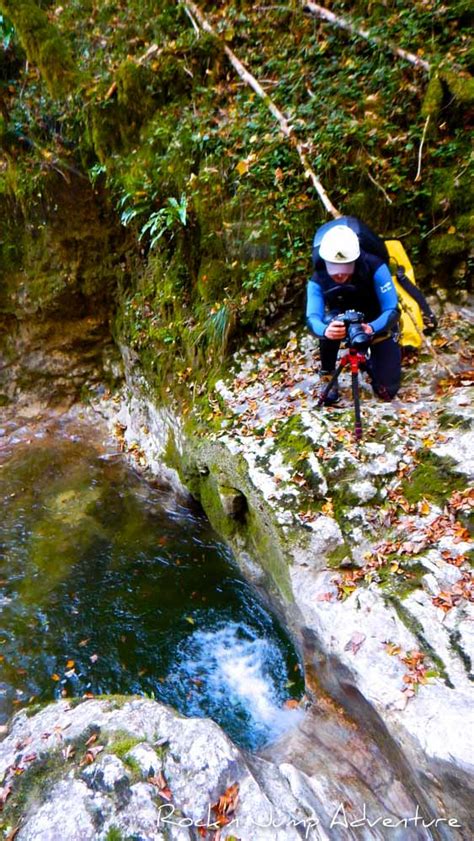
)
(315, 309)
(387, 297)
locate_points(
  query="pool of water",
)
(108, 584)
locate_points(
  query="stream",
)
(110, 584)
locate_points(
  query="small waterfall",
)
(233, 672)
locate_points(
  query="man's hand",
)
(335, 330)
(367, 329)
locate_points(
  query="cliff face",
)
(63, 263)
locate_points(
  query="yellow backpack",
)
(411, 320)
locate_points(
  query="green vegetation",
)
(417, 629)
(44, 45)
(122, 744)
(141, 175)
(114, 834)
(434, 478)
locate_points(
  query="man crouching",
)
(346, 277)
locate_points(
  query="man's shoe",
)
(333, 394)
(430, 323)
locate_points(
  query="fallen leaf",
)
(5, 792)
(357, 639)
(68, 752)
(91, 755)
(160, 782)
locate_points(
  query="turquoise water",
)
(108, 584)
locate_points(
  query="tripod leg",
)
(357, 416)
(330, 384)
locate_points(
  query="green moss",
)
(134, 85)
(32, 709)
(447, 245)
(114, 834)
(212, 276)
(434, 478)
(416, 628)
(171, 456)
(108, 131)
(433, 98)
(205, 469)
(461, 85)
(31, 788)
(114, 702)
(450, 189)
(122, 743)
(455, 642)
(338, 555)
(448, 420)
(400, 585)
(43, 44)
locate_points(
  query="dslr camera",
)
(356, 338)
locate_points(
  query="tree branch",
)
(379, 187)
(342, 23)
(285, 127)
(420, 150)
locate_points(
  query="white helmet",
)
(339, 245)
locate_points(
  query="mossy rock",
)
(446, 245)
(461, 86)
(211, 279)
(134, 91)
(172, 80)
(205, 469)
(448, 187)
(43, 44)
(340, 556)
(108, 128)
(433, 98)
(434, 478)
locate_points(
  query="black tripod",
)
(354, 359)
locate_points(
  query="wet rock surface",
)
(135, 768)
(363, 550)
(367, 545)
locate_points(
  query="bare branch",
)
(420, 150)
(342, 23)
(195, 26)
(282, 121)
(379, 187)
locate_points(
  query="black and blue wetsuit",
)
(371, 291)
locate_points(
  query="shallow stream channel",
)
(111, 584)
